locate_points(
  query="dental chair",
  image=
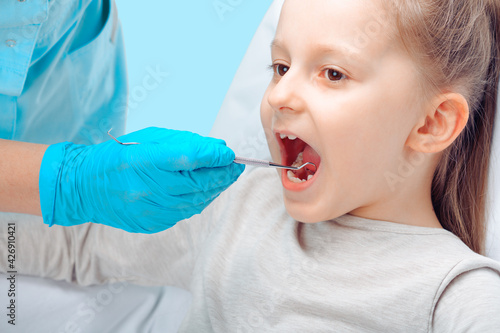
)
(55, 306)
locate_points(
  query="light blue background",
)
(198, 48)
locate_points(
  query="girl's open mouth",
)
(295, 152)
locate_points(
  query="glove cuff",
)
(50, 173)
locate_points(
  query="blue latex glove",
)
(170, 176)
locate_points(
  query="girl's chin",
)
(301, 212)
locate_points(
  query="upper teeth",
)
(291, 137)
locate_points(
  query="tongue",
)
(310, 155)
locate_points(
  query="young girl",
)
(394, 102)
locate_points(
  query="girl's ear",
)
(440, 125)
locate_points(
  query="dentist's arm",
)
(19, 166)
(145, 188)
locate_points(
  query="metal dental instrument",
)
(122, 143)
(267, 164)
(239, 160)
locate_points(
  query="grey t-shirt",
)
(252, 268)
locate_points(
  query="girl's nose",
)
(285, 96)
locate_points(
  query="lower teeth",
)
(291, 176)
(294, 179)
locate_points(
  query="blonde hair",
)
(456, 46)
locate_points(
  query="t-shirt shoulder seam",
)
(440, 289)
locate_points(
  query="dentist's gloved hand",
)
(146, 188)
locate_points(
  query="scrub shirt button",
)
(10, 42)
(21, 0)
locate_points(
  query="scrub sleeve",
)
(52, 92)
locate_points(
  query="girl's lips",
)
(309, 155)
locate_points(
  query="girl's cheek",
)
(266, 121)
(266, 112)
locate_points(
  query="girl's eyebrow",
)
(345, 51)
(276, 44)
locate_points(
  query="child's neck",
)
(412, 212)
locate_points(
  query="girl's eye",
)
(331, 74)
(334, 75)
(280, 69)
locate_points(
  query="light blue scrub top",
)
(62, 71)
